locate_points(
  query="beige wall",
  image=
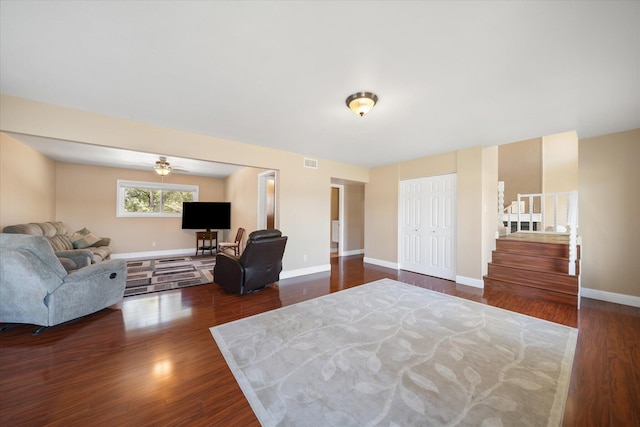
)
(559, 173)
(560, 162)
(609, 206)
(241, 189)
(489, 205)
(86, 196)
(469, 220)
(441, 164)
(381, 214)
(520, 167)
(27, 184)
(304, 198)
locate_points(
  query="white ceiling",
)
(449, 74)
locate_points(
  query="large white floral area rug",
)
(391, 354)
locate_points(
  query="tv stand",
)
(207, 238)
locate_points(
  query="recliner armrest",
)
(228, 273)
(114, 267)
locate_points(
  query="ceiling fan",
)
(163, 168)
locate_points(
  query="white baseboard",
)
(153, 254)
(287, 274)
(469, 281)
(623, 299)
(353, 252)
(381, 263)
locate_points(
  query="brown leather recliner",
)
(259, 265)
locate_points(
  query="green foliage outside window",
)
(172, 200)
(139, 199)
(149, 200)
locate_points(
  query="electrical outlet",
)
(304, 257)
(153, 244)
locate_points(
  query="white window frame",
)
(123, 184)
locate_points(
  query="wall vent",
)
(311, 163)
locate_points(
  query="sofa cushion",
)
(48, 229)
(60, 242)
(81, 241)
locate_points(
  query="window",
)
(150, 199)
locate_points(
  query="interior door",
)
(428, 226)
(412, 233)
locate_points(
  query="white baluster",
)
(500, 206)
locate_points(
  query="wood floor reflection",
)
(151, 360)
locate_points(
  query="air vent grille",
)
(311, 163)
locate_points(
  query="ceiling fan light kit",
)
(361, 102)
(162, 167)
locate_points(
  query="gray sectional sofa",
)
(74, 249)
(36, 289)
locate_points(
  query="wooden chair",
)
(235, 245)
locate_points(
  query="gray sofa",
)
(75, 250)
(36, 289)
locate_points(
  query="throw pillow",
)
(83, 232)
(80, 242)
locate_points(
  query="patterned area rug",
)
(153, 275)
(391, 354)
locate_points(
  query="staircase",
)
(536, 266)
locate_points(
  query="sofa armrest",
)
(81, 257)
(104, 241)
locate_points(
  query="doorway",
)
(336, 244)
(267, 200)
(427, 226)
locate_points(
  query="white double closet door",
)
(427, 226)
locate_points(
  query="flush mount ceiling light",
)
(162, 167)
(362, 102)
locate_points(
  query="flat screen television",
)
(206, 215)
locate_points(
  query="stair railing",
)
(565, 203)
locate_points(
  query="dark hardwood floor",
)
(151, 360)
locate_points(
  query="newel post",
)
(572, 223)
